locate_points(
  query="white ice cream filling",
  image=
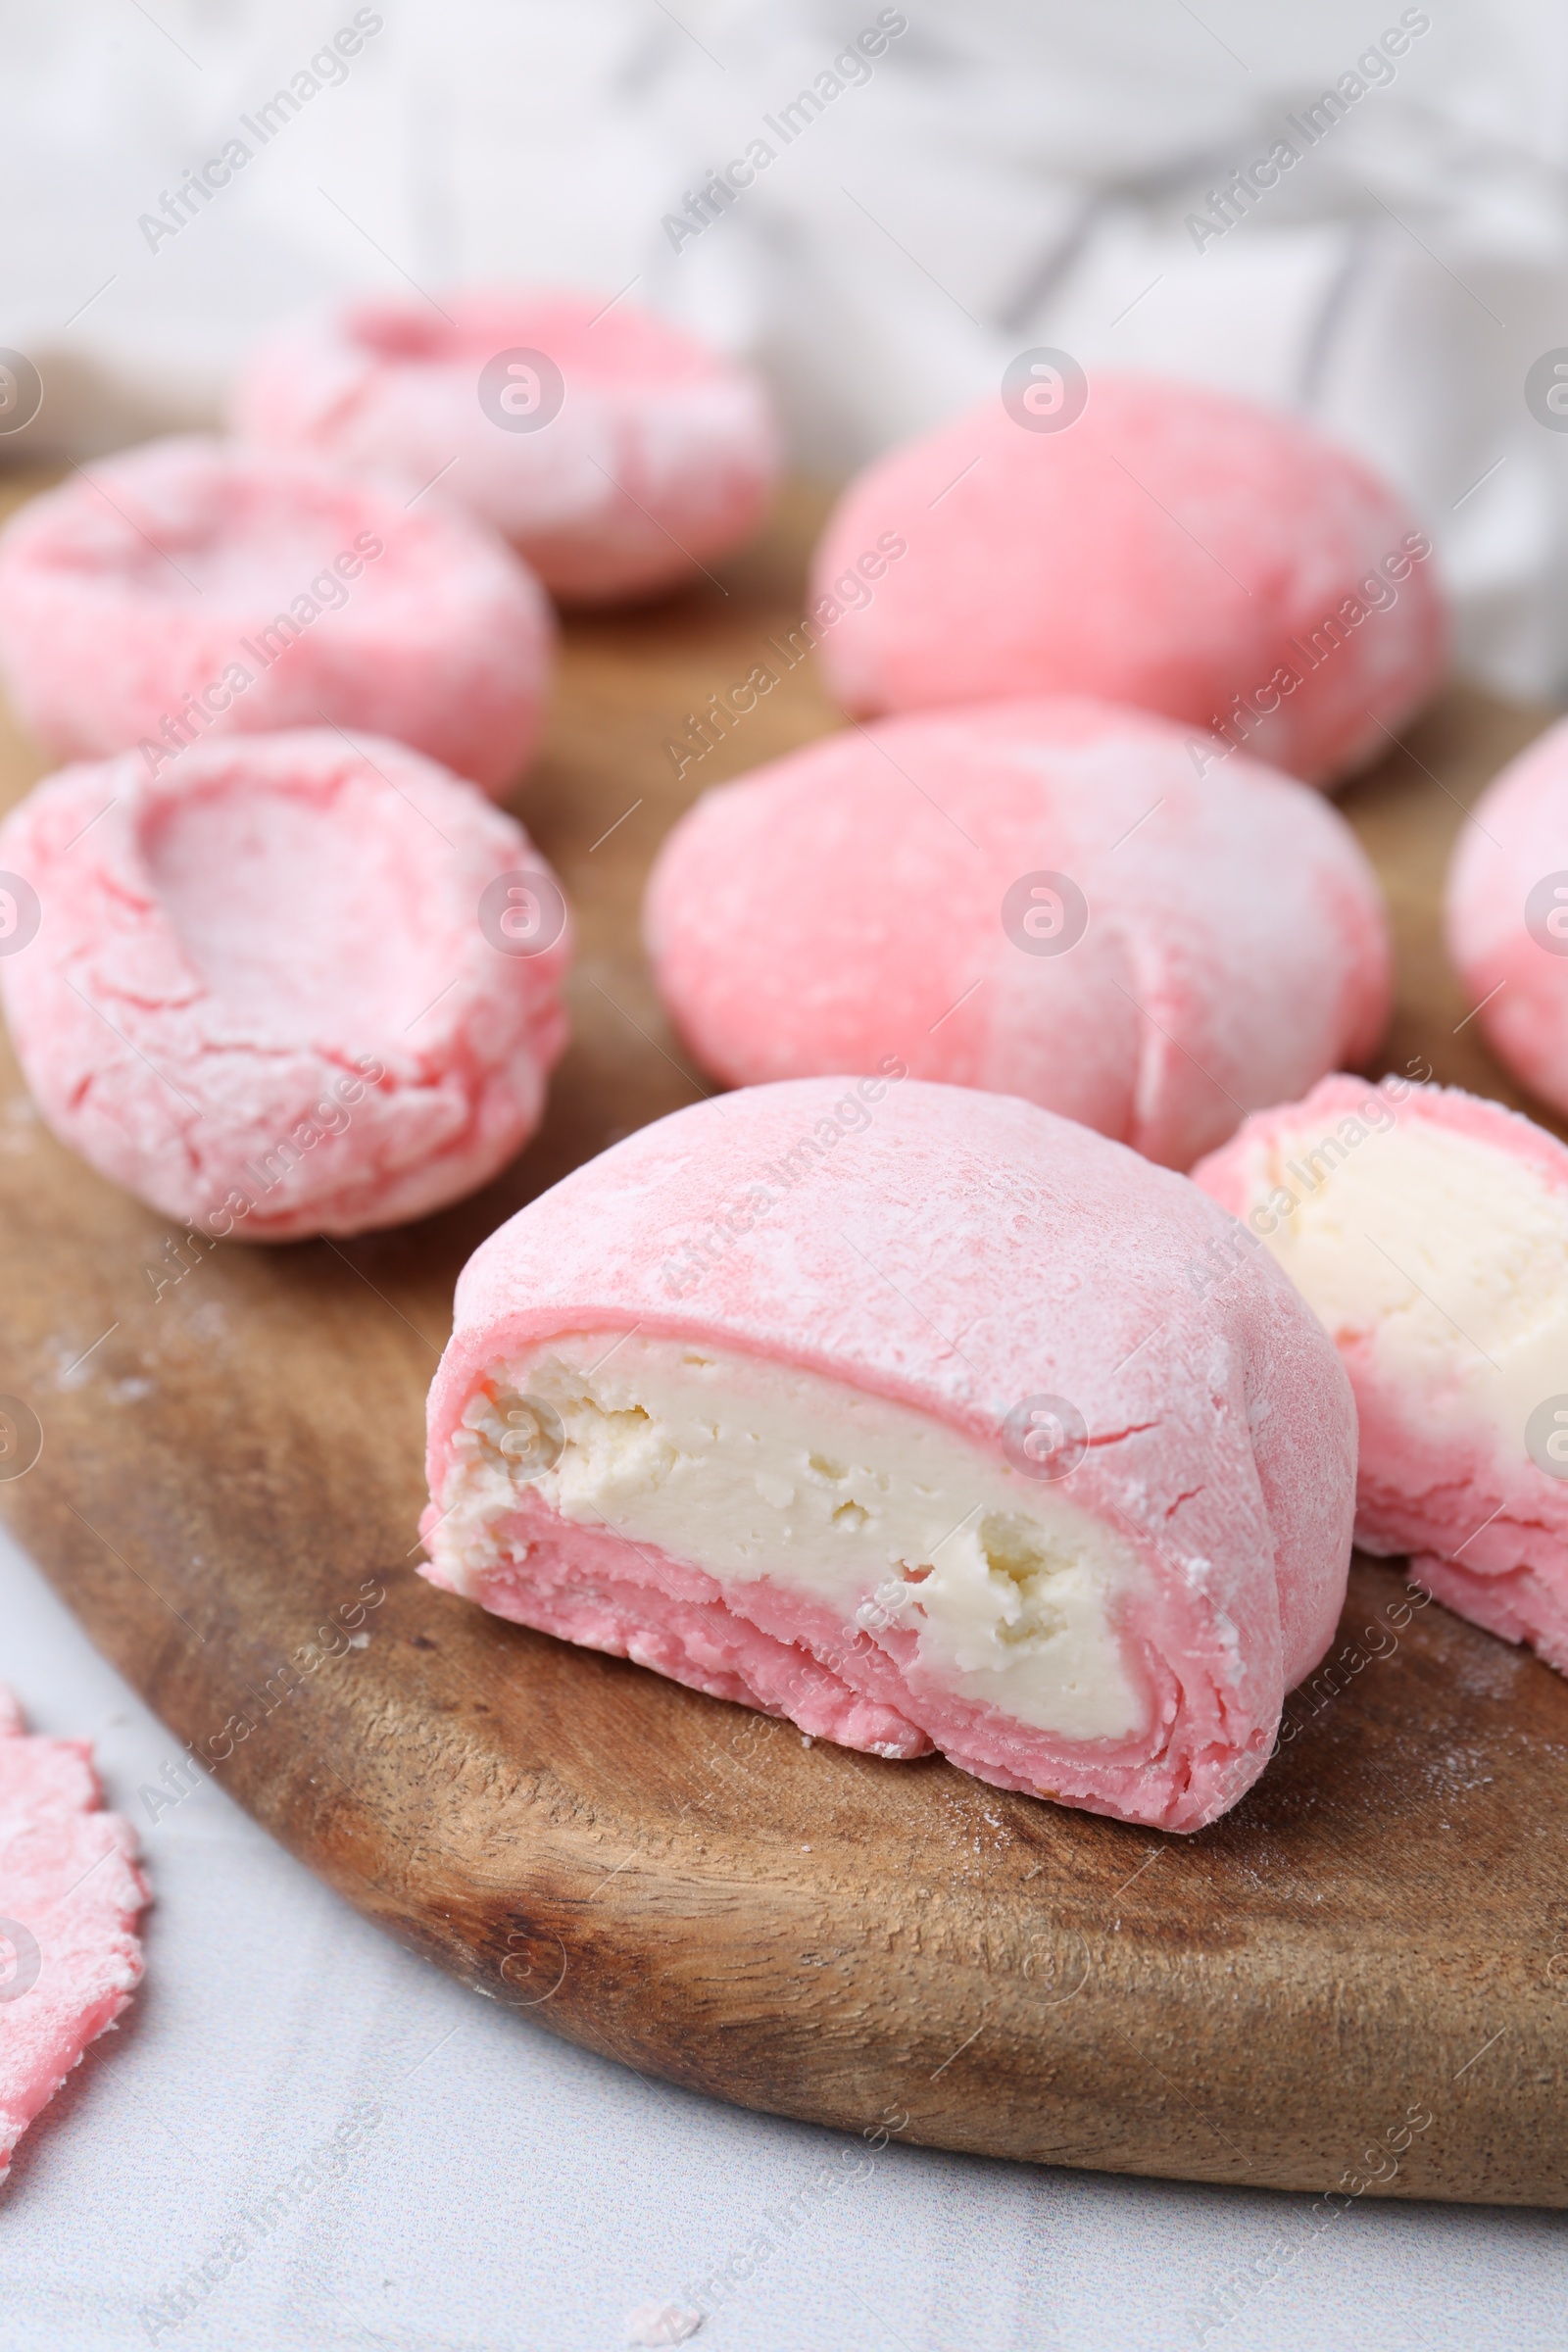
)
(755, 1470)
(1447, 1256)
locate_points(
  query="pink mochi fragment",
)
(70, 1892)
(999, 1288)
(618, 453)
(193, 588)
(289, 986)
(1507, 914)
(1429, 1231)
(1041, 899)
(1170, 547)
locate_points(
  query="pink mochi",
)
(876, 892)
(1507, 914)
(949, 1253)
(285, 987)
(1171, 546)
(618, 454)
(1460, 1371)
(71, 1892)
(194, 588)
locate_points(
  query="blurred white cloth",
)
(1006, 174)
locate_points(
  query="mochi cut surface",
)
(905, 1412)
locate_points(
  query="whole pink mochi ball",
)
(905, 1413)
(1039, 899)
(1507, 914)
(289, 987)
(1170, 547)
(618, 453)
(193, 588)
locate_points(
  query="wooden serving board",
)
(231, 1468)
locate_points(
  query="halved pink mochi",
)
(289, 986)
(1507, 914)
(1168, 546)
(911, 1414)
(193, 588)
(70, 1891)
(616, 451)
(1429, 1232)
(1050, 899)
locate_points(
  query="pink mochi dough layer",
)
(857, 898)
(1173, 547)
(1485, 1527)
(661, 457)
(1507, 915)
(194, 588)
(71, 1892)
(261, 993)
(1220, 1432)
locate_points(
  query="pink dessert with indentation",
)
(618, 453)
(907, 1413)
(1169, 546)
(1041, 899)
(193, 588)
(1429, 1232)
(71, 1892)
(286, 987)
(1507, 914)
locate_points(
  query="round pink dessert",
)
(1429, 1232)
(1169, 547)
(70, 1890)
(193, 588)
(1039, 899)
(286, 987)
(1507, 914)
(1138, 1490)
(618, 453)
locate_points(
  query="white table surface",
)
(519, 2195)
